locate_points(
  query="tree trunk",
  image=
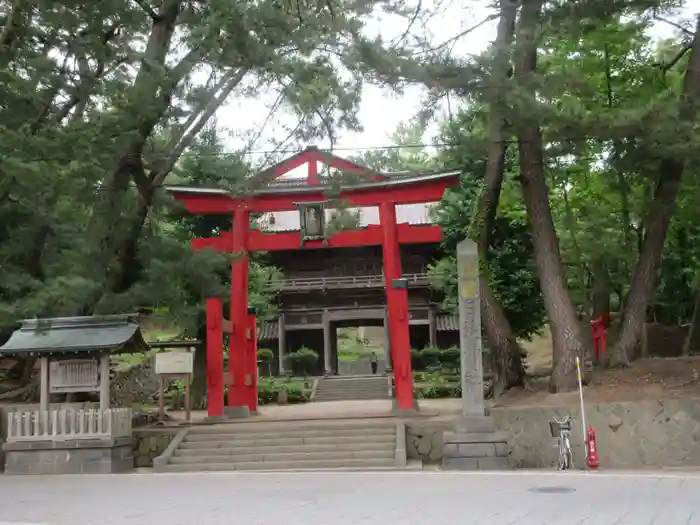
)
(566, 331)
(506, 353)
(601, 289)
(692, 340)
(662, 207)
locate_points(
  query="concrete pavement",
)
(386, 498)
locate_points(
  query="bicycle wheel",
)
(562, 462)
(568, 455)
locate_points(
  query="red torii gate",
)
(380, 190)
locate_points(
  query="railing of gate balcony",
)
(359, 281)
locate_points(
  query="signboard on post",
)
(173, 365)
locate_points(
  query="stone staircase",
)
(345, 388)
(291, 445)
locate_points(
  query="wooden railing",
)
(68, 425)
(358, 281)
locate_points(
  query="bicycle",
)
(561, 430)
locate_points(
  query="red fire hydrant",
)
(591, 449)
(600, 342)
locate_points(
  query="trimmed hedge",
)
(435, 359)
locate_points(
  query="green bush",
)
(450, 358)
(267, 392)
(431, 357)
(438, 391)
(269, 389)
(266, 355)
(416, 360)
(302, 361)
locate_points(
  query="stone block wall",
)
(90, 456)
(151, 443)
(635, 434)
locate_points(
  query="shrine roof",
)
(76, 335)
(300, 186)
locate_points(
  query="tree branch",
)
(685, 30)
(665, 67)
(143, 4)
(196, 122)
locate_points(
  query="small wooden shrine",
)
(74, 356)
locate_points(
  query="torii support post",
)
(215, 358)
(397, 306)
(251, 363)
(239, 311)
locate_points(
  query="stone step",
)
(352, 388)
(344, 388)
(492, 463)
(348, 384)
(358, 377)
(227, 448)
(216, 441)
(257, 455)
(325, 399)
(291, 426)
(347, 391)
(319, 464)
(353, 393)
(311, 433)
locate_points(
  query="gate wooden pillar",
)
(397, 307)
(239, 307)
(250, 386)
(215, 358)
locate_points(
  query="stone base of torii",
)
(474, 444)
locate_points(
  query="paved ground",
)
(331, 409)
(390, 498)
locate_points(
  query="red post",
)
(591, 449)
(239, 307)
(251, 359)
(397, 306)
(600, 343)
(312, 172)
(215, 358)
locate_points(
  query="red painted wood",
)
(397, 307)
(407, 194)
(251, 363)
(296, 161)
(346, 165)
(312, 172)
(215, 358)
(370, 236)
(431, 191)
(239, 307)
(217, 204)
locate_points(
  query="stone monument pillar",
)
(474, 444)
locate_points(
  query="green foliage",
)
(302, 361)
(269, 390)
(450, 358)
(435, 358)
(266, 355)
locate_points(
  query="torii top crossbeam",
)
(367, 188)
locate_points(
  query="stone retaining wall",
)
(151, 443)
(635, 434)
